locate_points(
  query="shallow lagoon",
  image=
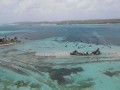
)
(42, 61)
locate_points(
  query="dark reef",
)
(58, 74)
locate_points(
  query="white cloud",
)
(38, 10)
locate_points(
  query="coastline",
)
(7, 44)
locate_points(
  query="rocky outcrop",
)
(96, 52)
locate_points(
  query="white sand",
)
(8, 44)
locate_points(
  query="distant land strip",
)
(97, 21)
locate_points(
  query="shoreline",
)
(7, 44)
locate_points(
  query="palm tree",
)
(15, 38)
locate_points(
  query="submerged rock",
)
(57, 74)
(34, 85)
(83, 85)
(27, 84)
(86, 84)
(65, 45)
(21, 84)
(112, 73)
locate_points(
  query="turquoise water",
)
(42, 60)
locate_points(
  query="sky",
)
(57, 10)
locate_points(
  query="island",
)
(8, 41)
(96, 52)
(95, 21)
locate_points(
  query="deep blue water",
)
(101, 34)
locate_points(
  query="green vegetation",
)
(8, 40)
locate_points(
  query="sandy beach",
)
(8, 44)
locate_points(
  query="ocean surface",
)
(42, 60)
